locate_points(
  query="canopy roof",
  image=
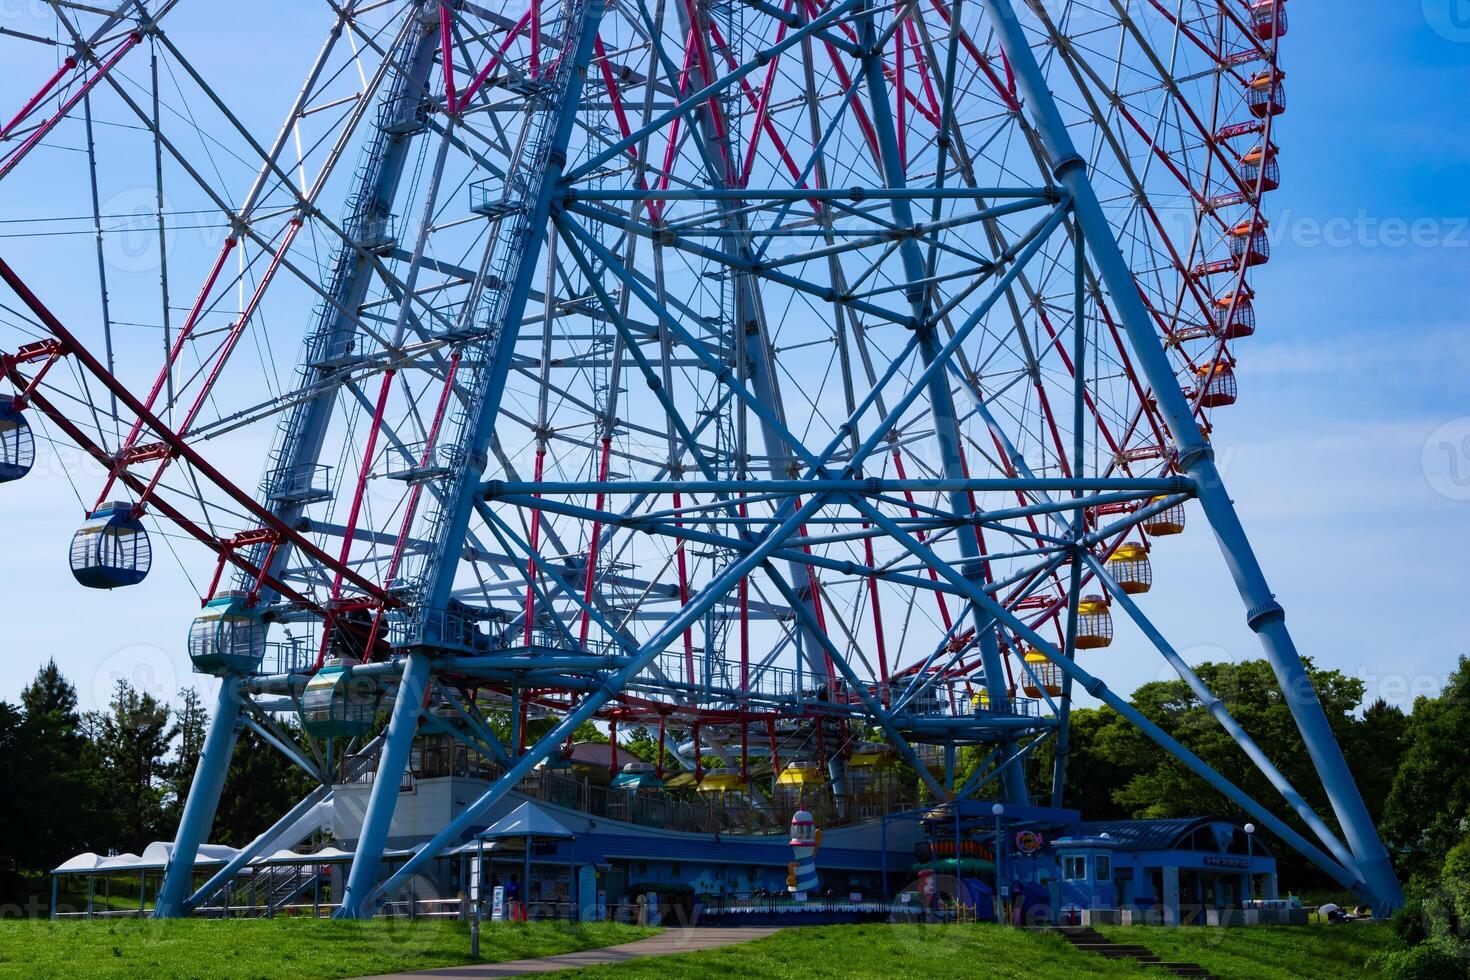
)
(155, 858)
(526, 820)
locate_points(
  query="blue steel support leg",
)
(941, 401)
(198, 818)
(1264, 614)
(1348, 877)
(1222, 715)
(460, 499)
(1079, 517)
(362, 879)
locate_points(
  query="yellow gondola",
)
(1129, 566)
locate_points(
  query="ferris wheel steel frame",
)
(553, 209)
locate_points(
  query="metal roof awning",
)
(526, 820)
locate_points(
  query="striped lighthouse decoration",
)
(804, 840)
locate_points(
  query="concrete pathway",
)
(669, 941)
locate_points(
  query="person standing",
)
(513, 899)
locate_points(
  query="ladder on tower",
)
(484, 327)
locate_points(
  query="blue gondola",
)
(228, 637)
(111, 550)
(337, 704)
(17, 443)
(636, 776)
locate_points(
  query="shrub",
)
(1410, 922)
(1424, 962)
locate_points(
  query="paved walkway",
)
(669, 941)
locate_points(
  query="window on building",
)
(1074, 868)
(1104, 867)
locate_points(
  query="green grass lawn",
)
(309, 949)
(1267, 952)
(880, 951)
(898, 952)
(259, 949)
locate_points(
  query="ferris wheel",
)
(775, 376)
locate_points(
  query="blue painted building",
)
(1179, 867)
(1170, 871)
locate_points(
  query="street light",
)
(1250, 859)
(999, 810)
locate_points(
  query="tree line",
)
(116, 779)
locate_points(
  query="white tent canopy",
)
(155, 858)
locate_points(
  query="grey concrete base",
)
(1142, 917)
(1100, 917)
(665, 943)
(1276, 917)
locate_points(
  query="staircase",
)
(1089, 940)
(271, 889)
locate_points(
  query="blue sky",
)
(1348, 454)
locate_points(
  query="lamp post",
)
(476, 893)
(1250, 860)
(999, 810)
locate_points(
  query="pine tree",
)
(60, 776)
(191, 723)
(133, 738)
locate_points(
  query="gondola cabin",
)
(17, 442)
(1129, 566)
(1041, 676)
(1217, 385)
(1259, 168)
(111, 550)
(227, 637)
(1094, 623)
(1265, 95)
(338, 703)
(1234, 317)
(636, 776)
(1268, 19)
(1249, 241)
(722, 781)
(871, 755)
(1168, 521)
(801, 774)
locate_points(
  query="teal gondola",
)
(227, 637)
(339, 704)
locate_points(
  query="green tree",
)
(642, 743)
(11, 817)
(1159, 785)
(133, 738)
(1094, 774)
(1428, 807)
(1375, 750)
(191, 723)
(261, 785)
(60, 775)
